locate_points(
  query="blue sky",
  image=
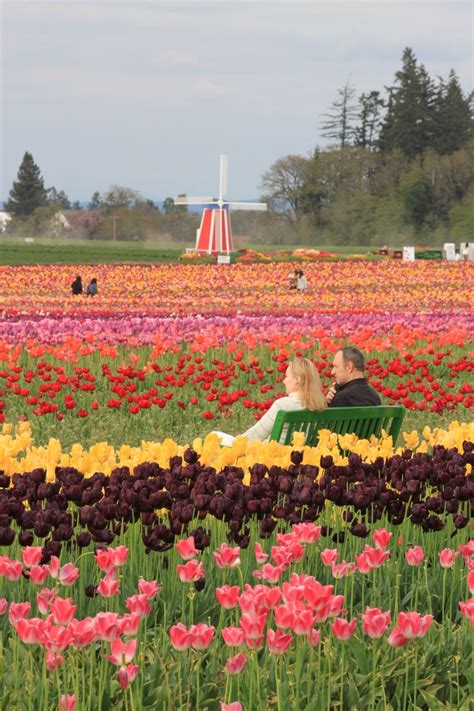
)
(147, 94)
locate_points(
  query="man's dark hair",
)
(353, 355)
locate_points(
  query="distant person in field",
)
(293, 279)
(350, 387)
(92, 288)
(301, 282)
(76, 286)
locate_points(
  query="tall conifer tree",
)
(454, 117)
(409, 123)
(28, 191)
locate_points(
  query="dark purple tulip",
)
(7, 536)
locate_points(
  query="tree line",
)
(399, 167)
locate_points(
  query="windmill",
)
(214, 234)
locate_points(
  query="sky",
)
(148, 94)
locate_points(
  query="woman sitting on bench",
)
(303, 388)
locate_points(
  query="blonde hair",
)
(309, 384)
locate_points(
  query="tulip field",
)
(144, 566)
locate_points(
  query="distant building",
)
(5, 218)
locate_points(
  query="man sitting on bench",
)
(350, 388)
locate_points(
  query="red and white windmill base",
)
(214, 235)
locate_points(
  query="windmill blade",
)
(223, 175)
(192, 200)
(261, 206)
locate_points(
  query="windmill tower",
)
(214, 234)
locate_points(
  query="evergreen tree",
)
(366, 133)
(96, 201)
(454, 117)
(409, 122)
(339, 123)
(28, 191)
(58, 198)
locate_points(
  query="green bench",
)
(362, 421)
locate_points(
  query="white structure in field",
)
(5, 218)
(214, 235)
(408, 254)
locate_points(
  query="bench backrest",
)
(362, 421)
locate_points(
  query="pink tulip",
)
(270, 573)
(278, 642)
(227, 557)
(53, 660)
(3, 605)
(104, 560)
(38, 574)
(149, 588)
(447, 557)
(118, 556)
(227, 596)
(306, 532)
(303, 621)
(139, 604)
(67, 702)
(44, 598)
(180, 637)
(313, 637)
(83, 632)
(260, 556)
(13, 570)
(329, 556)
(364, 565)
(470, 582)
(253, 624)
(396, 639)
(415, 555)
(30, 630)
(201, 636)
(62, 610)
(381, 538)
(412, 624)
(68, 574)
(54, 566)
(127, 674)
(107, 626)
(467, 551)
(234, 665)
(467, 609)
(284, 616)
(57, 638)
(234, 706)
(343, 629)
(375, 622)
(122, 652)
(108, 587)
(190, 572)
(18, 611)
(376, 557)
(339, 570)
(186, 548)
(31, 555)
(233, 636)
(130, 624)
